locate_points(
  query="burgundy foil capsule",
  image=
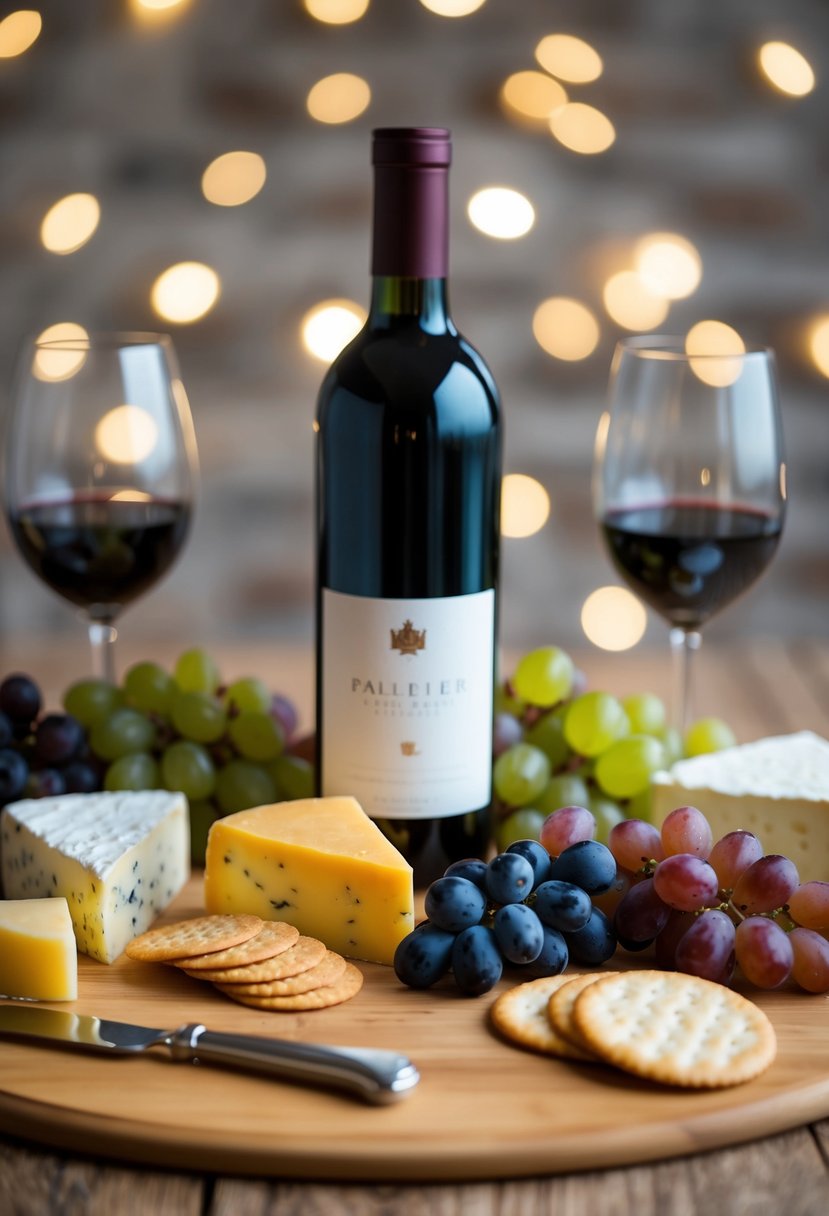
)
(411, 202)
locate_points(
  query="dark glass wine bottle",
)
(408, 471)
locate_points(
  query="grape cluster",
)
(523, 908)
(226, 747)
(709, 908)
(556, 744)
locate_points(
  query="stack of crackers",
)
(263, 964)
(665, 1026)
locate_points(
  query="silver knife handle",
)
(375, 1075)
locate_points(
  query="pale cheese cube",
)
(38, 955)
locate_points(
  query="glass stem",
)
(684, 644)
(102, 637)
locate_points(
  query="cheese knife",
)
(375, 1075)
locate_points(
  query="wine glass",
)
(689, 483)
(100, 471)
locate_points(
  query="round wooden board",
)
(483, 1109)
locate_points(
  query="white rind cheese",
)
(117, 858)
(777, 788)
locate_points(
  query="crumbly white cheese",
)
(118, 858)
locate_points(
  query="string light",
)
(531, 95)
(336, 12)
(126, 434)
(19, 31)
(70, 223)
(786, 69)
(185, 292)
(819, 344)
(668, 264)
(613, 619)
(150, 11)
(582, 128)
(525, 506)
(341, 97)
(500, 212)
(233, 178)
(329, 326)
(565, 328)
(569, 58)
(60, 362)
(631, 303)
(453, 8)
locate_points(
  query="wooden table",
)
(762, 688)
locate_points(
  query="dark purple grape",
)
(519, 933)
(454, 904)
(476, 960)
(81, 778)
(14, 773)
(423, 956)
(707, 947)
(58, 738)
(640, 916)
(536, 855)
(509, 878)
(20, 698)
(595, 943)
(45, 783)
(6, 730)
(471, 868)
(588, 864)
(554, 955)
(562, 906)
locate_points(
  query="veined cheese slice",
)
(777, 788)
(38, 955)
(118, 858)
(318, 863)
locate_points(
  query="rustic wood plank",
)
(36, 1183)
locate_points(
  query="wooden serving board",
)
(482, 1110)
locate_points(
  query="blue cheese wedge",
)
(777, 788)
(117, 858)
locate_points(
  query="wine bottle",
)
(408, 472)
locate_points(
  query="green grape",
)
(565, 789)
(607, 814)
(203, 815)
(646, 713)
(195, 671)
(520, 825)
(187, 767)
(91, 700)
(520, 774)
(257, 736)
(248, 694)
(149, 688)
(241, 784)
(137, 771)
(593, 721)
(548, 734)
(640, 806)
(543, 677)
(671, 741)
(293, 776)
(708, 735)
(505, 701)
(199, 717)
(126, 731)
(625, 769)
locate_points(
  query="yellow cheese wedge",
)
(318, 863)
(38, 954)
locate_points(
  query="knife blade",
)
(375, 1075)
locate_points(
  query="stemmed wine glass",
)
(689, 482)
(100, 471)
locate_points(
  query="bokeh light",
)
(60, 362)
(565, 328)
(151, 11)
(336, 12)
(631, 303)
(19, 31)
(569, 58)
(185, 292)
(126, 434)
(500, 212)
(70, 223)
(525, 505)
(668, 264)
(329, 326)
(786, 69)
(531, 96)
(341, 97)
(453, 8)
(613, 619)
(819, 344)
(233, 178)
(582, 128)
(712, 342)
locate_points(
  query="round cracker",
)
(560, 1008)
(327, 971)
(520, 1015)
(305, 953)
(201, 935)
(675, 1028)
(274, 938)
(343, 989)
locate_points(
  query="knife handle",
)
(375, 1075)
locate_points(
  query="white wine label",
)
(407, 703)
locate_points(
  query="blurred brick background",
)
(133, 113)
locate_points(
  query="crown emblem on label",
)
(408, 640)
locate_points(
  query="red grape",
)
(634, 843)
(566, 826)
(666, 943)
(809, 905)
(733, 854)
(810, 968)
(706, 949)
(685, 882)
(766, 884)
(764, 952)
(640, 916)
(686, 830)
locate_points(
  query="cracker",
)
(521, 1016)
(560, 1008)
(327, 971)
(201, 935)
(273, 938)
(305, 953)
(343, 989)
(675, 1028)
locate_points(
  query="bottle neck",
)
(399, 298)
